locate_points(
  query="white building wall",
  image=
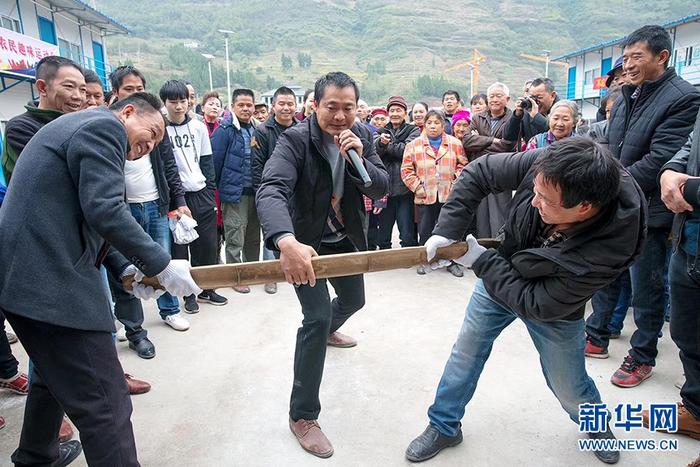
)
(688, 35)
(13, 100)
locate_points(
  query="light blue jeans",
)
(559, 343)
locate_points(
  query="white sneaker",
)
(121, 331)
(177, 322)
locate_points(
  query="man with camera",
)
(530, 114)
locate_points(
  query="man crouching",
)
(577, 221)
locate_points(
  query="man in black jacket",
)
(153, 188)
(264, 142)
(310, 203)
(680, 191)
(71, 178)
(576, 222)
(524, 124)
(390, 144)
(649, 125)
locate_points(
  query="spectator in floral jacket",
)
(431, 165)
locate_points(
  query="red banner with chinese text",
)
(19, 53)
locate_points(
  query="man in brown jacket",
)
(484, 136)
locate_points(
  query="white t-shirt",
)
(190, 141)
(140, 181)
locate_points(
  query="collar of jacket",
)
(488, 116)
(649, 87)
(44, 115)
(272, 123)
(230, 119)
(188, 119)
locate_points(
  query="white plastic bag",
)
(183, 229)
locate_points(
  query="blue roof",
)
(670, 24)
(91, 15)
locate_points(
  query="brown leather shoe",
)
(341, 340)
(2, 423)
(687, 424)
(65, 433)
(695, 463)
(311, 438)
(136, 386)
(242, 289)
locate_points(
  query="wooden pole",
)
(347, 264)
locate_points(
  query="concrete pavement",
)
(221, 390)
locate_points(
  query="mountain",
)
(386, 45)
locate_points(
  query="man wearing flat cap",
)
(390, 145)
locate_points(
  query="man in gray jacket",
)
(65, 208)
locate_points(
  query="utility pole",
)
(226, 33)
(209, 58)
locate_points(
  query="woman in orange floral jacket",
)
(431, 165)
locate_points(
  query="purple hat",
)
(461, 114)
(611, 73)
(397, 100)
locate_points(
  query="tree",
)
(286, 63)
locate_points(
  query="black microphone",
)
(360, 167)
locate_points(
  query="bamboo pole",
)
(346, 264)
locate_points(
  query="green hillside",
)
(386, 45)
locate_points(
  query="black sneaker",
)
(209, 296)
(191, 306)
(68, 452)
(429, 443)
(609, 457)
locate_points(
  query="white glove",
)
(146, 292)
(138, 290)
(176, 279)
(474, 252)
(431, 246)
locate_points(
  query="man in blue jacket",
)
(231, 146)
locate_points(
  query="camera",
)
(526, 103)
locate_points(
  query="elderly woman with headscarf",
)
(460, 123)
(431, 164)
(562, 121)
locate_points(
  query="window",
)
(69, 50)
(10, 23)
(688, 56)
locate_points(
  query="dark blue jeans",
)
(684, 278)
(648, 295)
(649, 298)
(617, 320)
(156, 226)
(399, 210)
(560, 345)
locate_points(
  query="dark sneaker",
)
(631, 373)
(594, 351)
(144, 348)
(213, 298)
(429, 443)
(191, 305)
(609, 457)
(455, 270)
(68, 452)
